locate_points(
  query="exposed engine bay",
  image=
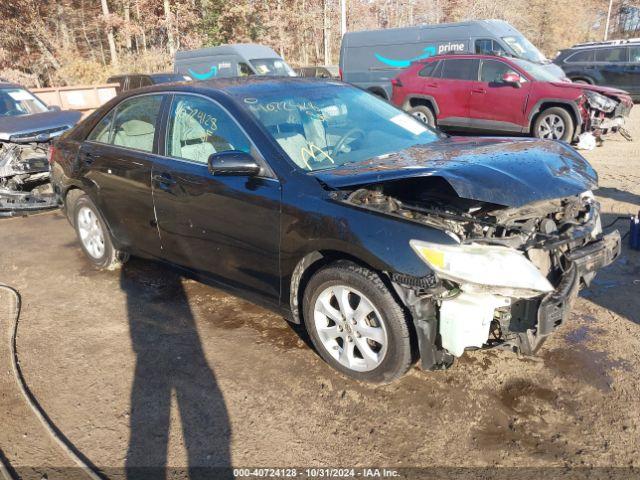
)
(604, 115)
(558, 240)
(24, 179)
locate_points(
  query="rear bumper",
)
(555, 307)
(17, 204)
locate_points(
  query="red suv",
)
(487, 93)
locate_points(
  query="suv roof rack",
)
(622, 41)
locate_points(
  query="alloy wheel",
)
(551, 127)
(350, 328)
(91, 233)
(421, 116)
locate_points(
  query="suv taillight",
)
(396, 82)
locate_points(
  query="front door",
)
(226, 227)
(496, 105)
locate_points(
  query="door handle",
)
(478, 90)
(432, 85)
(163, 179)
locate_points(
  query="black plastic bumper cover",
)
(554, 308)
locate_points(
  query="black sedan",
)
(386, 238)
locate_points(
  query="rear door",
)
(496, 105)
(116, 159)
(633, 70)
(613, 63)
(451, 87)
(226, 227)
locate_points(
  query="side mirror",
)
(233, 162)
(511, 78)
(54, 108)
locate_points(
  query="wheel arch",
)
(425, 100)
(308, 265)
(570, 106)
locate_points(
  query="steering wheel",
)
(353, 132)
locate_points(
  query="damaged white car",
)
(27, 126)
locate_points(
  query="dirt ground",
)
(143, 367)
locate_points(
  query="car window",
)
(493, 70)
(145, 82)
(244, 70)
(427, 70)
(582, 56)
(199, 127)
(101, 132)
(618, 54)
(634, 54)
(487, 46)
(460, 69)
(135, 122)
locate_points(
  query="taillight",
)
(50, 153)
(396, 82)
(340, 72)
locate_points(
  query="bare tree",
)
(110, 37)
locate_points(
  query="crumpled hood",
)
(36, 122)
(509, 172)
(607, 91)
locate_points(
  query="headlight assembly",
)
(488, 268)
(600, 102)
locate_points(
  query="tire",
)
(378, 317)
(94, 236)
(424, 114)
(554, 123)
(70, 204)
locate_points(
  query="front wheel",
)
(356, 324)
(554, 123)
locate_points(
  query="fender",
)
(562, 101)
(407, 103)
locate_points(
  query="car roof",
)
(246, 50)
(467, 55)
(605, 44)
(235, 86)
(10, 85)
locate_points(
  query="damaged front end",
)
(24, 179)
(604, 113)
(509, 276)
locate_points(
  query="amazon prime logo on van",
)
(428, 51)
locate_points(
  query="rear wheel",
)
(356, 324)
(94, 236)
(424, 114)
(554, 123)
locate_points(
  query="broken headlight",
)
(600, 102)
(489, 268)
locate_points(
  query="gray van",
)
(236, 60)
(371, 58)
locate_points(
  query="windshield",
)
(18, 101)
(324, 126)
(523, 48)
(272, 67)
(537, 71)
